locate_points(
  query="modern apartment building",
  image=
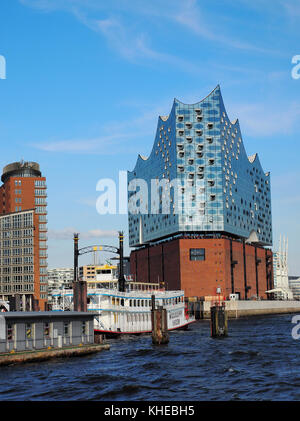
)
(294, 284)
(23, 235)
(197, 186)
(96, 274)
(60, 278)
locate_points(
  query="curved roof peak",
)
(164, 117)
(217, 88)
(252, 158)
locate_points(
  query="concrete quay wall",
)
(43, 355)
(242, 308)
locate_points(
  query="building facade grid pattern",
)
(219, 188)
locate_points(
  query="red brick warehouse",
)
(199, 266)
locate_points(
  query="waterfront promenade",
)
(246, 308)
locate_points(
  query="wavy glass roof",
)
(224, 190)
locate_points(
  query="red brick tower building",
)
(23, 215)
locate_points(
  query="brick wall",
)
(170, 261)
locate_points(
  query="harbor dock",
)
(47, 354)
(39, 336)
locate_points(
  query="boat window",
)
(122, 301)
(134, 303)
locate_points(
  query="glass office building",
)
(199, 179)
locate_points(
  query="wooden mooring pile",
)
(159, 320)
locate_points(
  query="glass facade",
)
(199, 179)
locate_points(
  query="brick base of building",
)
(230, 264)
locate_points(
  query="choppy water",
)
(259, 360)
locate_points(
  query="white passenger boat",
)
(126, 312)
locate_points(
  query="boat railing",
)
(132, 308)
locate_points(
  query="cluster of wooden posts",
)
(160, 335)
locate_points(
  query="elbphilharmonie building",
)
(199, 183)
(219, 188)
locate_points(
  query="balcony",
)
(40, 211)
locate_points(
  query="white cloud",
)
(133, 44)
(292, 7)
(68, 233)
(106, 145)
(122, 37)
(88, 202)
(191, 17)
(265, 119)
(138, 127)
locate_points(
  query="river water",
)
(259, 360)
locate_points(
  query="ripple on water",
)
(192, 365)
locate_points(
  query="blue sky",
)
(87, 79)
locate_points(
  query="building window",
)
(28, 330)
(9, 331)
(66, 328)
(84, 328)
(47, 330)
(197, 254)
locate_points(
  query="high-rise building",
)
(23, 216)
(197, 186)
